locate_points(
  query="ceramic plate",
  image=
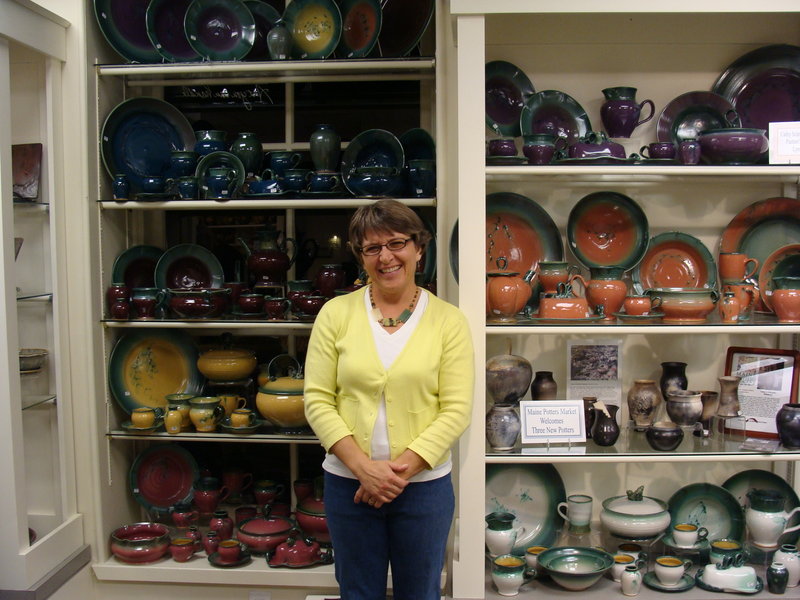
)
(138, 137)
(220, 29)
(532, 492)
(710, 506)
(607, 229)
(146, 365)
(763, 227)
(131, 428)
(372, 148)
(651, 581)
(162, 476)
(785, 261)
(243, 559)
(188, 266)
(710, 588)
(518, 229)
(165, 30)
(598, 160)
(220, 158)
(501, 161)
(361, 24)
(136, 266)
(316, 26)
(675, 260)
(741, 483)
(763, 85)
(404, 23)
(418, 143)
(693, 112)
(507, 91)
(639, 319)
(124, 25)
(265, 17)
(226, 426)
(555, 113)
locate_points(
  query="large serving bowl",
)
(198, 303)
(31, 359)
(140, 542)
(264, 533)
(685, 305)
(635, 516)
(227, 364)
(733, 146)
(575, 568)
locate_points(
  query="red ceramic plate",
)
(785, 261)
(675, 260)
(607, 229)
(162, 476)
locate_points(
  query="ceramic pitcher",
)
(620, 112)
(766, 518)
(500, 533)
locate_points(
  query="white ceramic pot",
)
(790, 557)
(635, 516)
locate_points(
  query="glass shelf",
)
(276, 438)
(31, 401)
(254, 204)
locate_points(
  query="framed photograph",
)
(594, 369)
(769, 380)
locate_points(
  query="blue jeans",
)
(410, 533)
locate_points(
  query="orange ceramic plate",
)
(675, 260)
(784, 261)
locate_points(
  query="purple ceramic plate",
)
(404, 22)
(124, 25)
(187, 266)
(220, 29)
(507, 91)
(165, 30)
(265, 17)
(162, 476)
(763, 85)
(691, 113)
(556, 113)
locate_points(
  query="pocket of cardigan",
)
(348, 410)
(418, 420)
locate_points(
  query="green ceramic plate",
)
(316, 27)
(221, 158)
(532, 492)
(220, 29)
(710, 506)
(675, 259)
(607, 229)
(784, 262)
(146, 365)
(124, 25)
(651, 581)
(188, 266)
(507, 91)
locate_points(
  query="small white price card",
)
(784, 143)
(552, 421)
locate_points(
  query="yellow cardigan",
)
(428, 388)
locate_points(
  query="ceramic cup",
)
(229, 550)
(720, 548)
(633, 549)
(508, 574)
(187, 187)
(670, 569)
(231, 402)
(277, 308)
(502, 147)
(532, 555)
(324, 181)
(242, 417)
(153, 184)
(621, 562)
(251, 303)
(539, 148)
(640, 305)
(687, 535)
(658, 150)
(144, 416)
(577, 511)
(182, 549)
(735, 267)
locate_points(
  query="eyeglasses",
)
(393, 245)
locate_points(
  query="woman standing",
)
(388, 391)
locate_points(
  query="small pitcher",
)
(220, 182)
(206, 413)
(500, 533)
(620, 112)
(766, 518)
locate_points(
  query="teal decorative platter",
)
(710, 506)
(675, 260)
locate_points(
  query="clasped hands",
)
(381, 482)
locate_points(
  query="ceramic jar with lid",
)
(310, 514)
(280, 398)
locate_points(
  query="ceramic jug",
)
(729, 308)
(502, 427)
(786, 299)
(507, 292)
(631, 580)
(500, 533)
(605, 430)
(620, 112)
(766, 518)
(268, 260)
(605, 288)
(206, 413)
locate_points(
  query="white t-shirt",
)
(389, 345)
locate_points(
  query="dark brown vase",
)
(673, 378)
(544, 387)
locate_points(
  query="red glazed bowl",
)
(263, 534)
(198, 303)
(310, 516)
(140, 542)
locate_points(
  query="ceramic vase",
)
(588, 414)
(620, 112)
(777, 578)
(325, 146)
(502, 427)
(684, 407)
(673, 377)
(789, 557)
(500, 533)
(121, 187)
(631, 581)
(120, 309)
(728, 396)
(605, 430)
(729, 308)
(330, 278)
(788, 423)
(544, 387)
(279, 41)
(643, 402)
(222, 524)
(507, 378)
(247, 148)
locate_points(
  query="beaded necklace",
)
(389, 321)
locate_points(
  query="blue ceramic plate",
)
(124, 25)
(220, 29)
(188, 266)
(361, 24)
(146, 365)
(162, 476)
(710, 506)
(221, 158)
(607, 229)
(165, 30)
(418, 143)
(555, 113)
(316, 27)
(507, 91)
(372, 148)
(138, 137)
(686, 116)
(265, 17)
(675, 260)
(741, 483)
(136, 266)
(532, 492)
(404, 23)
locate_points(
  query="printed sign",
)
(552, 421)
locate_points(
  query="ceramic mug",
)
(324, 181)
(539, 148)
(182, 549)
(735, 267)
(551, 273)
(640, 305)
(578, 513)
(229, 550)
(532, 556)
(658, 150)
(242, 417)
(670, 569)
(687, 535)
(231, 402)
(277, 308)
(633, 549)
(508, 574)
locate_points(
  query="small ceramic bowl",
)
(140, 542)
(664, 436)
(31, 359)
(575, 568)
(733, 146)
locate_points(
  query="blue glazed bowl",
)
(575, 568)
(375, 182)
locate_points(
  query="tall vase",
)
(788, 423)
(728, 396)
(588, 413)
(502, 427)
(673, 377)
(325, 145)
(605, 430)
(643, 402)
(247, 148)
(544, 387)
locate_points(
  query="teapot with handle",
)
(268, 260)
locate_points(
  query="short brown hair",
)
(385, 216)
